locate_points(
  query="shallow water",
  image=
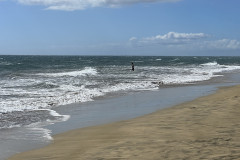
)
(101, 111)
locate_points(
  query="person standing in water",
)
(132, 66)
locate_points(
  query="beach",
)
(205, 128)
(119, 79)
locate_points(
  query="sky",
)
(120, 27)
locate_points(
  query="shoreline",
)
(127, 106)
(102, 111)
(207, 127)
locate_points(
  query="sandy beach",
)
(205, 128)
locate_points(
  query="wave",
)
(210, 64)
(5, 63)
(86, 71)
(43, 85)
(50, 92)
(33, 92)
(175, 59)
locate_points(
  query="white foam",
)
(176, 59)
(129, 86)
(47, 98)
(210, 64)
(39, 133)
(86, 71)
(138, 61)
(74, 90)
(11, 126)
(5, 63)
(55, 114)
(190, 74)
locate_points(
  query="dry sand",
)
(206, 128)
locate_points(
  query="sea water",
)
(31, 86)
(32, 89)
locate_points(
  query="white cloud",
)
(132, 39)
(179, 36)
(70, 5)
(186, 41)
(171, 38)
(223, 44)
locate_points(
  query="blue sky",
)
(120, 27)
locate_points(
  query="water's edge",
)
(101, 111)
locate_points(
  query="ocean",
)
(31, 86)
(79, 91)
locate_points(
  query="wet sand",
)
(205, 128)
